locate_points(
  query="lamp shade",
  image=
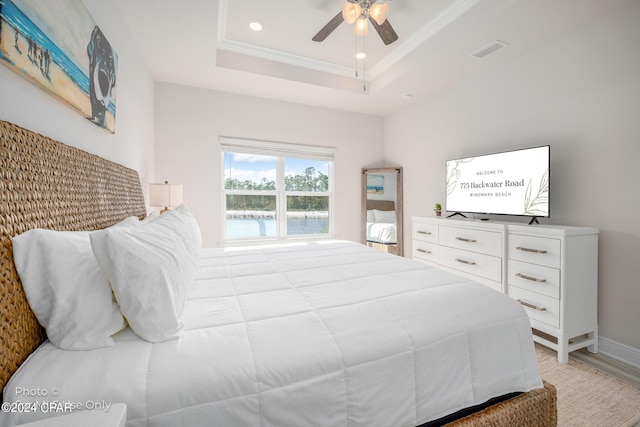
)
(379, 12)
(351, 12)
(165, 195)
(362, 27)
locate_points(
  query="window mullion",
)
(308, 193)
(281, 198)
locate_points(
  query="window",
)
(276, 190)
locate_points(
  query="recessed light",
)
(407, 96)
(361, 55)
(255, 25)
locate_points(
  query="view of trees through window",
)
(271, 196)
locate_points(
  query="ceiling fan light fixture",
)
(379, 12)
(362, 27)
(355, 11)
(351, 12)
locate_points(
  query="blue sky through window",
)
(255, 167)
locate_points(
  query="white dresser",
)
(425, 241)
(471, 249)
(551, 270)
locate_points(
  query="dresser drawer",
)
(537, 250)
(486, 242)
(534, 277)
(426, 251)
(425, 232)
(496, 286)
(539, 307)
(481, 265)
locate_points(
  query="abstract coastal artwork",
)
(375, 184)
(57, 46)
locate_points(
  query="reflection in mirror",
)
(381, 224)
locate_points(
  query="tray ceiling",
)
(208, 44)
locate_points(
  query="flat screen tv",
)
(508, 183)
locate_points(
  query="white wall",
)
(580, 94)
(28, 106)
(189, 122)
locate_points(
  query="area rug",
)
(588, 397)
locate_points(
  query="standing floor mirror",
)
(381, 224)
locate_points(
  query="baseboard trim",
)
(619, 351)
(615, 359)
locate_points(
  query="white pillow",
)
(192, 224)
(66, 288)
(385, 216)
(151, 269)
(370, 216)
(128, 222)
(153, 215)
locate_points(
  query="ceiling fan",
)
(361, 12)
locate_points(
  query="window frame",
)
(280, 151)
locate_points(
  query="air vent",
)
(487, 50)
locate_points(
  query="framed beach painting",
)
(375, 184)
(57, 46)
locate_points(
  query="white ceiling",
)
(207, 43)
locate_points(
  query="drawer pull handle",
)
(528, 304)
(423, 232)
(533, 279)
(465, 261)
(424, 251)
(464, 239)
(535, 251)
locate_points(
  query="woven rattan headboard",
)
(46, 184)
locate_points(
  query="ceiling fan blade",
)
(386, 31)
(328, 29)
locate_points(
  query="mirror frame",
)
(399, 214)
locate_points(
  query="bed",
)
(297, 334)
(381, 222)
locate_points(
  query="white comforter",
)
(310, 334)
